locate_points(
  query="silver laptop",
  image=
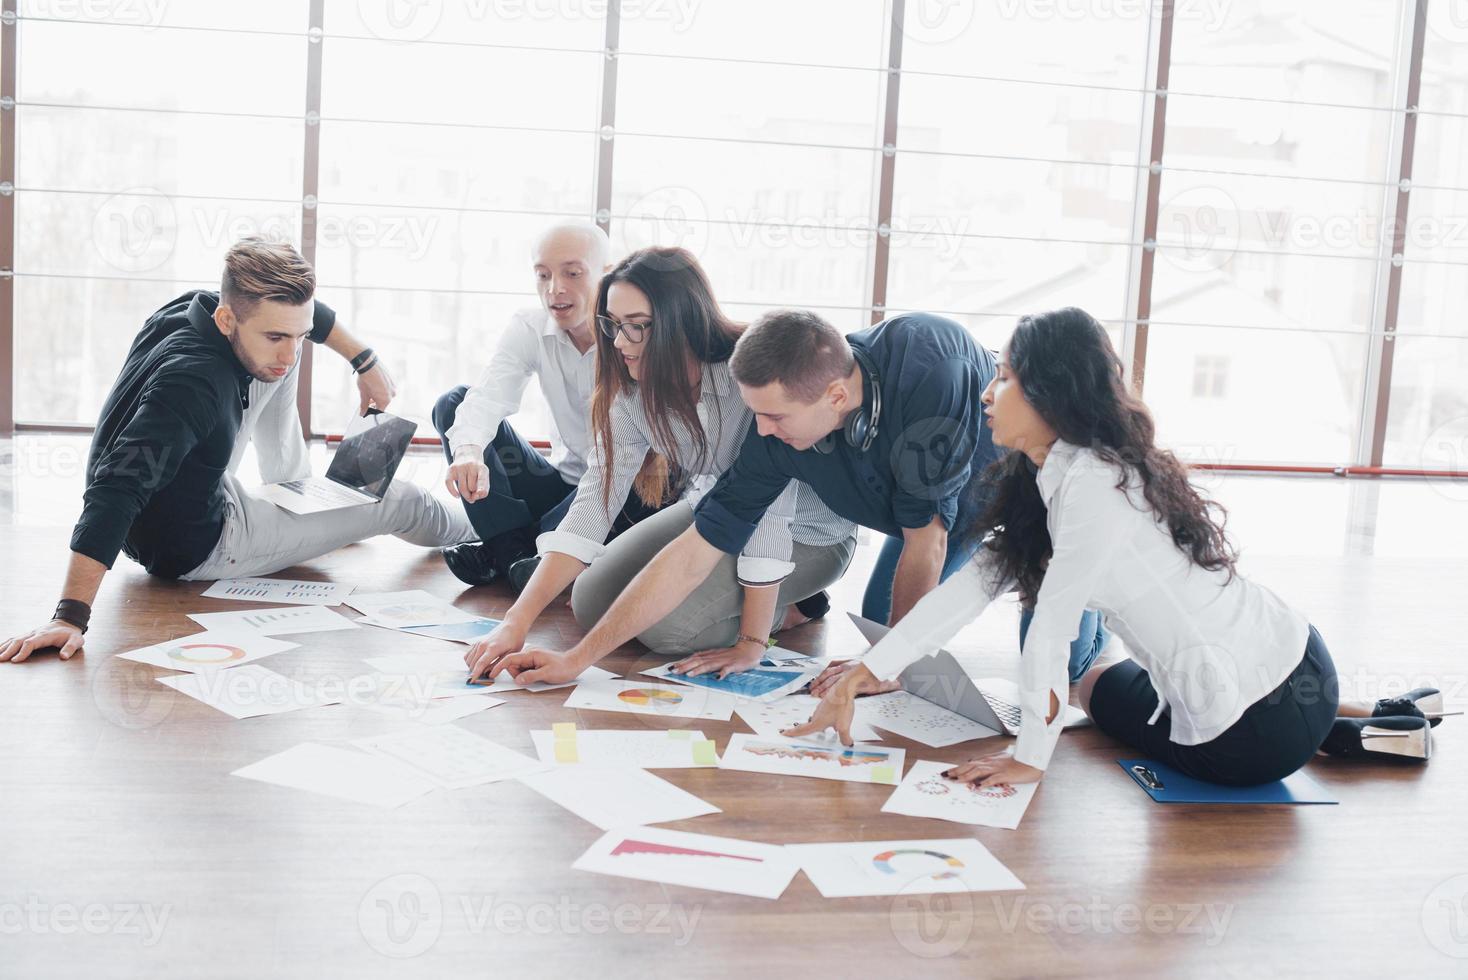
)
(940, 679)
(360, 472)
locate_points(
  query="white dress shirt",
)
(533, 345)
(796, 515)
(1211, 645)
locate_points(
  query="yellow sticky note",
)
(883, 774)
(681, 736)
(563, 729)
(566, 750)
(703, 753)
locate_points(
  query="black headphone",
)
(861, 426)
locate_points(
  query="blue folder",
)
(1178, 788)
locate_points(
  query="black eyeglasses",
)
(634, 332)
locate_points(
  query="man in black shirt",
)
(208, 374)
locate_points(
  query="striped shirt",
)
(796, 515)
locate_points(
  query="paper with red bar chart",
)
(673, 857)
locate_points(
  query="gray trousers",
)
(260, 538)
(709, 618)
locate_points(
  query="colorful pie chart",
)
(650, 695)
(206, 653)
(883, 862)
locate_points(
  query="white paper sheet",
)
(341, 773)
(247, 692)
(566, 745)
(922, 721)
(864, 763)
(903, 867)
(449, 674)
(675, 857)
(404, 699)
(469, 632)
(773, 717)
(209, 651)
(276, 622)
(279, 590)
(652, 698)
(925, 793)
(450, 756)
(614, 797)
(780, 657)
(411, 608)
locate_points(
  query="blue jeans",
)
(877, 603)
(1084, 649)
(526, 493)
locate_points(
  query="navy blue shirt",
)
(931, 441)
(164, 440)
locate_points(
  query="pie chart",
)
(649, 695)
(206, 653)
(883, 862)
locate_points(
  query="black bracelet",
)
(362, 357)
(75, 612)
(368, 366)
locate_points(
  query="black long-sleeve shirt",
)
(164, 441)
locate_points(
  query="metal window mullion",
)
(9, 34)
(1137, 333)
(310, 187)
(1381, 352)
(887, 175)
(607, 118)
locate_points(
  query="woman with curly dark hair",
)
(1226, 683)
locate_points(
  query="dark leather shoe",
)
(1402, 737)
(814, 607)
(472, 563)
(1425, 702)
(521, 571)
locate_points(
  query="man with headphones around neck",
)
(884, 424)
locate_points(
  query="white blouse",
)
(1211, 646)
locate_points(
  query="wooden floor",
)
(126, 849)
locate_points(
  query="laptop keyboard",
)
(317, 490)
(1008, 713)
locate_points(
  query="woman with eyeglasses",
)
(1226, 682)
(667, 420)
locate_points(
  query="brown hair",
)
(796, 348)
(257, 269)
(686, 324)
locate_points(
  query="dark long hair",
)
(686, 323)
(1070, 374)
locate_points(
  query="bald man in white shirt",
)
(510, 491)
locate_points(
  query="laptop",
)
(940, 679)
(360, 472)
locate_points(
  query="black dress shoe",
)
(1425, 702)
(815, 606)
(1401, 737)
(520, 572)
(472, 563)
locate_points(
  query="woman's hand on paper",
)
(999, 769)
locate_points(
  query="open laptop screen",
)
(370, 452)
